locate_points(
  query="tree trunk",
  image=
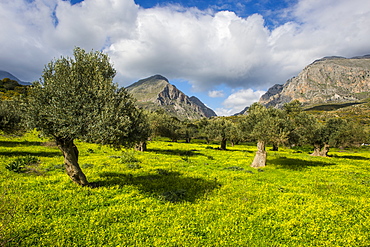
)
(70, 154)
(261, 155)
(325, 150)
(320, 150)
(141, 147)
(275, 147)
(316, 150)
(223, 144)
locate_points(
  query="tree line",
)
(289, 126)
(76, 98)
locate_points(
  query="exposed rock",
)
(207, 111)
(327, 80)
(156, 92)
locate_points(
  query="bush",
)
(128, 157)
(21, 164)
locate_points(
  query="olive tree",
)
(336, 132)
(10, 116)
(301, 125)
(164, 125)
(76, 98)
(219, 128)
(265, 125)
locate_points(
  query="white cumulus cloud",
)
(237, 101)
(207, 48)
(216, 94)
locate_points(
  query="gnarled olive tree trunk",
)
(141, 146)
(70, 154)
(320, 150)
(261, 155)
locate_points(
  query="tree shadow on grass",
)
(297, 164)
(38, 154)
(179, 152)
(351, 157)
(18, 144)
(164, 185)
(29, 145)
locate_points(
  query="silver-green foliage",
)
(10, 116)
(76, 98)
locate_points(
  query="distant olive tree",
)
(265, 125)
(164, 125)
(336, 132)
(76, 98)
(301, 125)
(11, 116)
(188, 130)
(219, 128)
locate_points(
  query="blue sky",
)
(225, 52)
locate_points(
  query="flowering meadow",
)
(182, 194)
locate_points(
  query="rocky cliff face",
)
(156, 92)
(328, 80)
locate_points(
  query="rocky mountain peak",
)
(327, 80)
(156, 92)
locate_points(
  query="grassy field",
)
(179, 194)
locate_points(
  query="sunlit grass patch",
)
(181, 194)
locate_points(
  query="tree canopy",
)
(76, 98)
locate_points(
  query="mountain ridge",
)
(326, 80)
(156, 92)
(6, 74)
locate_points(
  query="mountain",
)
(5, 74)
(327, 80)
(156, 92)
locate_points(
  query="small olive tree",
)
(76, 98)
(336, 132)
(302, 125)
(219, 128)
(10, 116)
(265, 125)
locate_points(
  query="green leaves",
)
(21, 164)
(269, 125)
(76, 98)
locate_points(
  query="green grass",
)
(179, 194)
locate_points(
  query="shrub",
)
(16, 166)
(21, 164)
(128, 157)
